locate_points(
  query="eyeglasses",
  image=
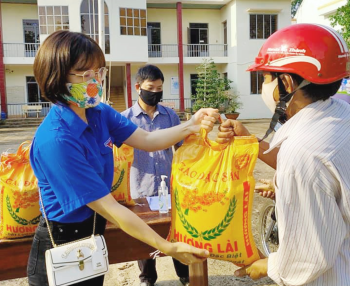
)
(100, 75)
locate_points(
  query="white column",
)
(101, 24)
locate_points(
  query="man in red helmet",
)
(303, 66)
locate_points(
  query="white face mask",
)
(267, 94)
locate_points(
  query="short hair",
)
(149, 72)
(317, 92)
(59, 53)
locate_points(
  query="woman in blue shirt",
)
(72, 156)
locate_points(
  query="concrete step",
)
(20, 122)
(5, 126)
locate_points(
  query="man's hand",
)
(231, 128)
(266, 190)
(186, 253)
(204, 118)
(256, 270)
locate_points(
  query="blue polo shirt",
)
(73, 161)
(149, 166)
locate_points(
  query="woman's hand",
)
(230, 128)
(186, 253)
(266, 190)
(204, 118)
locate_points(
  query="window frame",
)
(130, 28)
(45, 18)
(258, 84)
(263, 28)
(91, 14)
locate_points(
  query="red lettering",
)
(207, 179)
(248, 247)
(197, 244)
(187, 171)
(190, 241)
(219, 249)
(193, 174)
(201, 176)
(176, 235)
(208, 247)
(183, 165)
(224, 177)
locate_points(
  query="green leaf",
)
(18, 219)
(117, 184)
(342, 18)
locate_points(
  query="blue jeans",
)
(62, 233)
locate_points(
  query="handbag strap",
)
(48, 226)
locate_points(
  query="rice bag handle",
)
(212, 144)
(23, 152)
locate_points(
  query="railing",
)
(187, 101)
(190, 50)
(16, 110)
(20, 49)
(162, 51)
(208, 50)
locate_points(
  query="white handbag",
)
(76, 261)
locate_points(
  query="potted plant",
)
(232, 104)
(213, 90)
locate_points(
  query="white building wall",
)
(205, 16)
(246, 50)
(311, 11)
(168, 23)
(123, 48)
(12, 21)
(16, 88)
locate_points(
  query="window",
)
(198, 40)
(33, 90)
(89, 21)
(53, 18)
(256, 81)
(225, 38)
(31, 37)
(133, 22)
(153, 34)
(262, 26)
(194, 79)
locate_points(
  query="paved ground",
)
(126, 274)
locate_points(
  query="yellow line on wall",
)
(329, 4)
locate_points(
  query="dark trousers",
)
(149, 272)
(62, 233)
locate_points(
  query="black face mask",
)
(151, 98)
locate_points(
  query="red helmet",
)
(315, 52)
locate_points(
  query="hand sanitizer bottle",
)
(163, 196)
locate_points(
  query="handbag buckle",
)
(81, 262)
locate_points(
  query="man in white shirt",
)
(303, 66)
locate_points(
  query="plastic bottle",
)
(163, 196)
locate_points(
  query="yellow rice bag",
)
(123, 159)
(212, 188)
(19, 197)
